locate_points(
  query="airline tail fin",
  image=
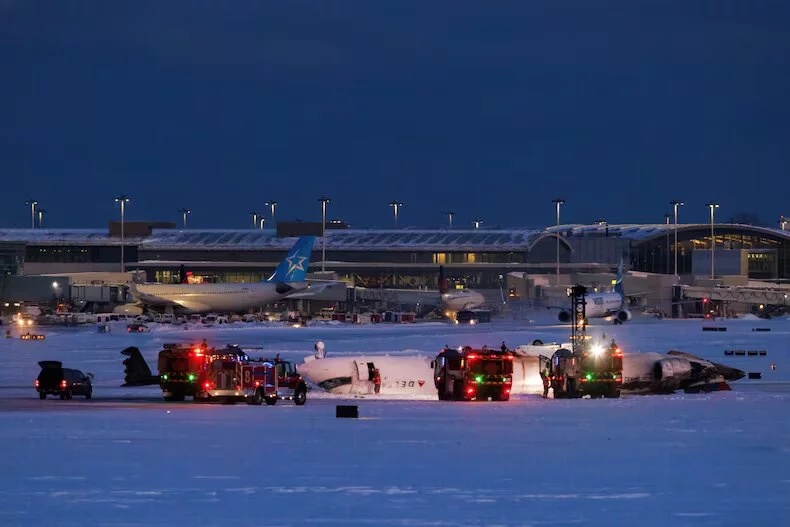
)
(442, 281)
(182, 275)
(294, 267)
(618, 282)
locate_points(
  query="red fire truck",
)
(466, 374)
(282, 382)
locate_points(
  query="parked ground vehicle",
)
(467, 374)
(54, 379)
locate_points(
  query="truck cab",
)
(283, 382)
(466, 374)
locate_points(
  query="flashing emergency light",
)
(704, 300)
(470, 357)
(589, 376)
(596, 350)
(191, 377)
(479, 379)
(470, 390)
(207, 385)
(164, 377)
(504, 379)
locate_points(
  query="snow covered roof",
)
(348, 239)
(64, 237)
(638, 232)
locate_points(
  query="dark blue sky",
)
(488, 108)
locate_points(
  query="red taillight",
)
(36, 383)
(63, 384)
(238, 388)
(257, 383)
(507, 391)
(207, 385)
(471, 357)
(470, 390)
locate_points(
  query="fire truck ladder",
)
(579, 328)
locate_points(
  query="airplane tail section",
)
(294, 267)
(182, 275)
(618, 282)
(442, 281)
(136, 370)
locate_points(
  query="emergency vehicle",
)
(590, 368)
(216, 374)
(282, 382)
(466, 374)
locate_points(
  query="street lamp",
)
(185, 212)
(558, 202)
(41, 218)
(324, 200)
(273, 205)
(600, 222)
(450, 215)
(782, 222)
(712, 206)
(254, 219)
(676, 204)
(477, 223)
(32, 204)
(123, 200)
(395, 206)
(666, 244)
(263, 220)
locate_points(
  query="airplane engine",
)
(671, 373)
(565, 316)
(623, 316)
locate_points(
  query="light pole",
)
(558, 202)
(676, 204)
(263, 220)
(32, 204)
(273, 205)
(123, 200)
(395, 206)
(782, 222)
(712, 206)
(666, 245)
(450, 214)
(41, 218)
(185, 212)
(254, 219)
(477, 223)
(324, 200)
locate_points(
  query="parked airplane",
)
(459, 299)
(643, 373)
(288, 280)
(449, 302)
(603, 305)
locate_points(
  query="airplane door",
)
(362, 370)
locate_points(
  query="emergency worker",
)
(504, 347)
(545, 372)
(376, 381)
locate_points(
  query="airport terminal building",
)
(403, 258)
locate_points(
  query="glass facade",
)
(767, 255)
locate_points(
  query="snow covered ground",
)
(125, 458)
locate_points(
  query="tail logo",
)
(295, 263)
